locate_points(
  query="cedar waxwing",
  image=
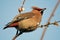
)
(26, 22)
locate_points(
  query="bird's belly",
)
(29, 24)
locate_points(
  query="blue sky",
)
(9, 9)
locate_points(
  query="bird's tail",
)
(10, 24)
(7, 26)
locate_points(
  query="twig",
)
(23, 3)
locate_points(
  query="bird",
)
(26, 22)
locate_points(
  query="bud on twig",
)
(21, 9)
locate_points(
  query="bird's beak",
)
(43, 9)
(7, 25)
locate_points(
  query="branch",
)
(52, 14)
(54, 23)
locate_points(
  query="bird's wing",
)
(23, 16)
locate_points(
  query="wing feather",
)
(22, 16)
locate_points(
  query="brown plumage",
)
(26, 22)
